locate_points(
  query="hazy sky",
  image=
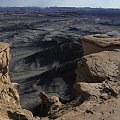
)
(72, 3)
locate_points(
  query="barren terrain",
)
(46, 46)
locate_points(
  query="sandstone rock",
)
(4, 46)
(4, 61)
(8, 92)
(97, 92)
(97, 77)
(55, 104)
(108, 110)
(99, 42)
(99, 67)
(49, 104)
(43, 96)
(98, 72)
(44, 110)
(10, 108)
(16, 86)
(90, 88)
(105, 96)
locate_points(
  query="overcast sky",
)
(66, 3)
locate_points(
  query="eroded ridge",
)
(10, 108)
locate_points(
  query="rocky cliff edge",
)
(10, 108)
(98, 80)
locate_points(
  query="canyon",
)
(65, 52)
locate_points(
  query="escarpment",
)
(97, 83)
(98, 77)
(99, 69)
(96, 86)
(10, 108)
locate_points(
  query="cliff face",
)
(98, 76)
(101, 65)
(97, 86)
(10, 108)
(98, 79)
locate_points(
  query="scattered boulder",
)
(49, 104)
(55, 104)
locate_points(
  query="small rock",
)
(105, 96)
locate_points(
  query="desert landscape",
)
(71, 54)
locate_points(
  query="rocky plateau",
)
(72, 54)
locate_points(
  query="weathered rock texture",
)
(108, 110)
(96, 71)
(98, 74)
(49, 105)
(97, 89)
(99, 67)
(99, 42)
(98, 80)
(10, 108)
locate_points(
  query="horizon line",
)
(59, 7)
